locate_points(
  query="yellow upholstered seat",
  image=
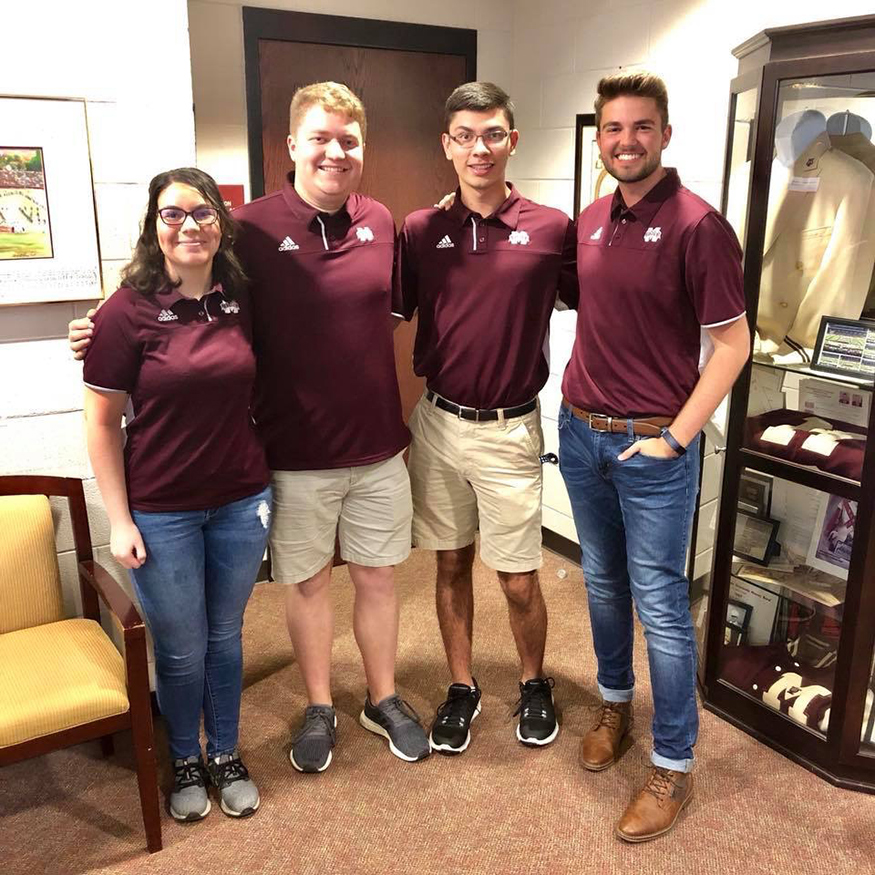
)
(57, 676)
(63, 681)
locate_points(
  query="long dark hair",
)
(146, 272)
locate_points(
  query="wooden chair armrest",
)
(113, 596)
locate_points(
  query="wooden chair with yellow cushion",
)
(63, 680)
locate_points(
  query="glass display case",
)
(789, 624)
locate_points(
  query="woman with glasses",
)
(186, 489)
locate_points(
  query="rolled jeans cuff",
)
(617, 696)
(684, 766)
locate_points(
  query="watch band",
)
(672, 441)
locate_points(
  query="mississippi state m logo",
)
(652, 235)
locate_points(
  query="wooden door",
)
(403, 74)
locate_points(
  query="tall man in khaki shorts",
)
(327, 406)
(484, 276)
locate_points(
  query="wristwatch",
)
(672, 441)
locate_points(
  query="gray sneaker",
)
(238, 795)
(395, 720)
(188, 798)
(311, 747)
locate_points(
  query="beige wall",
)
(217, 62)
(130, 62)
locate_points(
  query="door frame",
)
(306, 27)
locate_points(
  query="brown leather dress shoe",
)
(601, 745)
(656, 807)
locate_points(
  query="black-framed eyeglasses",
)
(174, 216)
(467, 139)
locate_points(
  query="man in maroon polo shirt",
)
(484, 276)
(327, 405)
(661, 294)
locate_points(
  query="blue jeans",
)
(198, 575)
(633, 519)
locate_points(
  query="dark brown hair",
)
(636, 83)
(146, 272)
(478, 97)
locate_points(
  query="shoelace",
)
(224, 773)
(397, 704)
(659, 783)
(316, 723)
(609, 716)
(533, 700)
(453, 710)
(189, 774)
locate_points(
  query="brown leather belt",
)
(649, 426)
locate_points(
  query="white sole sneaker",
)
(246, 811)
(538, 742)
(311, 771)
(378, 730)
(192, 817)
(446, 748)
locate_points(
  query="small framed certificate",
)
(755, 537)
(845, 346)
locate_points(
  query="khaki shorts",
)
(367, 507)
(463, 472)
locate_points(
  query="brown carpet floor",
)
(499, 808)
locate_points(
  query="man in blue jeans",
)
(661, 294)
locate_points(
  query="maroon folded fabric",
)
(771, 673)
(846, 459)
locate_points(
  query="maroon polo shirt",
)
(189, 369)
(485, 289)
(652, 277)
(327, 393)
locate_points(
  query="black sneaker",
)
(451, 729)
(538, 724)
(396, 721)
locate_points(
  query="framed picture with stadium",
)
(48, 229)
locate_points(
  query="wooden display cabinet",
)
(789, 629)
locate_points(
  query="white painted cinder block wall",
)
(560, 50)
(131, 64)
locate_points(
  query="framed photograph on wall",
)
(48, 229)
(832, 540)
(591, 179)
(845, 346)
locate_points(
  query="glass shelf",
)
(805, 370)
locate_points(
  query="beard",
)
(629, 174)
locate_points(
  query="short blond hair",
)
(635, 83)
(332, 97)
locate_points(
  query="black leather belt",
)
(472, 414)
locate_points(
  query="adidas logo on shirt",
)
(446, 243)
(596, 235)
(288, 245)
(167, 316)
